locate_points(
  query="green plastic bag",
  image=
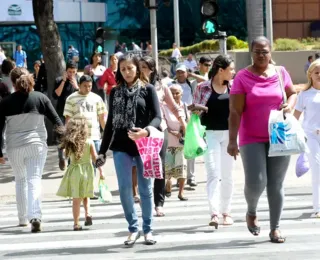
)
(194, 143)
(105, 194)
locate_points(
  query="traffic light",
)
(209, 11)
(100, 38)
(146, 3)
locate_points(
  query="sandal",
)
(317, 215)
(149, 241)
(132, 239)
(276, 239)
(182, 198)
(88, 221)
(214, 221)
(168, 194)
(136, 199)
(254, 230)
(159, 212)
(77, 227)
(227, 220)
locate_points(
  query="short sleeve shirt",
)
(90, 107)
(261, 96)
(19, 57)
(309, 103)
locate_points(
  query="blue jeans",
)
(123, 163)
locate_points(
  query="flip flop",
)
(159, 212)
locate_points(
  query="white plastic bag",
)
(286, 135)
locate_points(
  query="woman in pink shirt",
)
(255, 92)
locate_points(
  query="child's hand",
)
(101, 174)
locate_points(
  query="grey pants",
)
(262, 171)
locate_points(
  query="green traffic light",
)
(209, 27)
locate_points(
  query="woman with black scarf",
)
(133, 107)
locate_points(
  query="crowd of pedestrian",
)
(111, 108)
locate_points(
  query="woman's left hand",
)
(136, 133)
(286, 108)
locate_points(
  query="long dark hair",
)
(93, 54)
(221, 62)
(154, 76)
(135, 60)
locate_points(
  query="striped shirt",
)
(90, 106)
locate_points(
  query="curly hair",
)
(75, 137)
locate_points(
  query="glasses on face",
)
(264, 53)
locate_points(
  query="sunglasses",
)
(207, 64)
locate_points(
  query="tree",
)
(254, 10)
(50, 41)
(51, 47)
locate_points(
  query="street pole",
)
(154, 33)
(223, 43)
(176, 22)
(269, 21)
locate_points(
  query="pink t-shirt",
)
(262, 96)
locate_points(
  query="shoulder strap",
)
(185, 111)
(279, 72)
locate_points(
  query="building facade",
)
(293, 18)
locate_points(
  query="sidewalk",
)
(52, 177)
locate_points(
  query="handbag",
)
(286, 136)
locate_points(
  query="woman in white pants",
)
(26, 140)
(309, 103)
(219, 164)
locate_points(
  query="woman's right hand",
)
(101, 160)
(233, 149)
(2, 160)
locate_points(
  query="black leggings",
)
(160, 184)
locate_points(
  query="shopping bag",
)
(286, 136)
(149, 149)
(302, 165)
(194, 142)
(105, 194)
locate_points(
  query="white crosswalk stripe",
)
(182, 234)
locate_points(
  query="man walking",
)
(20, 57)
(64, 87)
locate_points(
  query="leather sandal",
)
(77, 227)
(133, 237)
(214, 221)
(276, 239)
(88, 221)
(227, 220)
(149, 241)
(254, 230)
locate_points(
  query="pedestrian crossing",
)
(182, 234)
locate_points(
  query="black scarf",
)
(124, 106)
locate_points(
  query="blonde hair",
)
(75, 137)
(312, 66)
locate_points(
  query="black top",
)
(18, 106)
(41, 84)
(218, 112)
(147, 114)
(68, 89)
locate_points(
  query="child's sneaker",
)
(35, 225)
(88, 221)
